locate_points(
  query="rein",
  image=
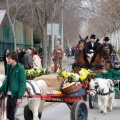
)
(97, 67)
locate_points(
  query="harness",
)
(33, 86)
(97, 67)
(102, 92)
(80, 65)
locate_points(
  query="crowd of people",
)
(29, 58)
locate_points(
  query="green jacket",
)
(106, 75)
(115, 74)
(17, 81)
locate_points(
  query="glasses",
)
(117, 63)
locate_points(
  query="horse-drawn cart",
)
(78, 108)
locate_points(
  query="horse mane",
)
(99, 50)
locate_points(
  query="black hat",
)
(106, 39)
(93, 36)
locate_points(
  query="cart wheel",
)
(91, 101)
(28, 115)
(73, 110)
(79, 111)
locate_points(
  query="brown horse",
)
(81, 60)
(101, 59)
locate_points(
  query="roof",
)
(2, 15)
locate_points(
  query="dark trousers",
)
(11, 107)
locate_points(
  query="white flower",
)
(69, 74)
(76, 77)
(81, 72)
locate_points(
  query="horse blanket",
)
(51, 80)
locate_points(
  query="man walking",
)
(57, 56)
(14, 84)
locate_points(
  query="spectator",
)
(18, 52)
(22, 53)
(40, 50)
(36, 61)
(27, 60)
(5, 60)
(57, 56)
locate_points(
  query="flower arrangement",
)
(74, 77)
(32, 73)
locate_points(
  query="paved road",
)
(60, 111)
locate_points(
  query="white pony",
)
(36, 105)
(104, 88)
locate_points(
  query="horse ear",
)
(80, 37)
(86, 38)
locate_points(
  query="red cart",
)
(78, 108)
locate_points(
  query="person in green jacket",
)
(14, 85)
(104, 74)
(115, 73)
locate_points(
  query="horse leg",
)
(3, 108)
(105, 102)
(100, 104)
(34, 107)
(111, 102)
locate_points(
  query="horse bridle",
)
(101, 92)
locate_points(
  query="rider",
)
(106, 43)
(92, 45)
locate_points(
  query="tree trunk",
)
(50, 52)
(45, 59)
(13, 29)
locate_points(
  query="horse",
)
(81, 60)
(100, 59)
(34, 106)
(104, 88)
(2, 100)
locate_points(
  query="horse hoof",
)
(101, 111)
(110, 110)
(104, 113)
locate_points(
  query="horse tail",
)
(43, 86)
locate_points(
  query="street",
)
(60, 111)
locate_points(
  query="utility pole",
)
(62, 25)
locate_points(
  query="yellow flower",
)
(72, 74)
(38, 71)
(66, 76)
(58, 92)
(64, 73)
(85, 71)
(83, 77)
